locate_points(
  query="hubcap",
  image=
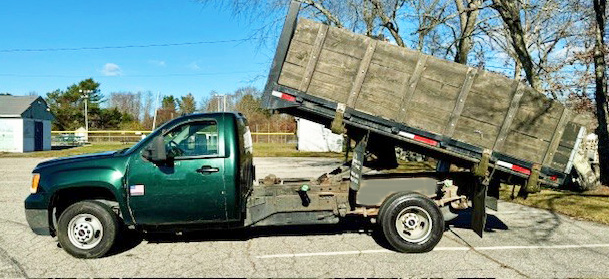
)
(413, 224)
(85, 231)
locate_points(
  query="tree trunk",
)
(517, 71)
(509, 10)
(389, 22)
(602, 110)
(467, 18)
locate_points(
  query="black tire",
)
(386, 203)
(86, 218)
(421, 213)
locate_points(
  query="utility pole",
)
(217, 97)
(224, 103)
(156, 108)
(86, 97)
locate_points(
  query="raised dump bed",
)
(331, 74)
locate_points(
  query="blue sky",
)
(177, 70)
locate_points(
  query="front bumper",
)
(38, 219)
(36, 214)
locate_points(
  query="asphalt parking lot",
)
(523, 242)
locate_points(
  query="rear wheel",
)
(87, 229)
(411, 223)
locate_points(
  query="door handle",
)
(207, 169)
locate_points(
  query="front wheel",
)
(87, 229)
(411, 223)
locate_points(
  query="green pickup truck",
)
(196, 172)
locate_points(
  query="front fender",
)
(106, 178)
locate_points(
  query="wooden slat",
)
(306, 30)
(456, 113)
(489, 107)
(379, 94)
(509, 116)
(476, 132)
(524, 147)
(427, 119)
(445, 71)
(298, 54)
(361, 73)
(330, 87)
(539, 104)
(346, 42)
(435, 95)
(395, 57)
(536, 124)
(410, 86)
(314, 57)
(558, 132)
(291, 75)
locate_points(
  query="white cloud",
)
(111, 69)
(568, 52)
(194, 66)
(159, 63)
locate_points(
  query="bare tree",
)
(388, 12)
(147, 109)
(600, 67)
(536, 33)
(468, 17)
(127, 102)
(510, 13)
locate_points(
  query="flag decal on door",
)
(136, 190)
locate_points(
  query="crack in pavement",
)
(14, 222)
(14, 262)
(501, 264)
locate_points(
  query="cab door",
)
(189, 188)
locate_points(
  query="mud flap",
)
(479, 208)
(357, 164)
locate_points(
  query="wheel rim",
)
(413, 224)
(85, 231)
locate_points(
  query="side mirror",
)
(155, 152)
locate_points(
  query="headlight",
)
(35, 180)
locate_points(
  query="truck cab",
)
(194, 170)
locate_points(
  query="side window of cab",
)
(192, 139)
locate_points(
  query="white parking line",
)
(340, 253)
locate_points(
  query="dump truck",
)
(197, 172)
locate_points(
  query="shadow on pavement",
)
(348, 225)
(130, 239)
(464, 220)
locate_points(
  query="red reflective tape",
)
(288, 97)
(425, 140)
(521, 169)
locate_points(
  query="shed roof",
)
(16, 106)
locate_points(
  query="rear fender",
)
(373, 192)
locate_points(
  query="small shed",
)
(25, 124)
